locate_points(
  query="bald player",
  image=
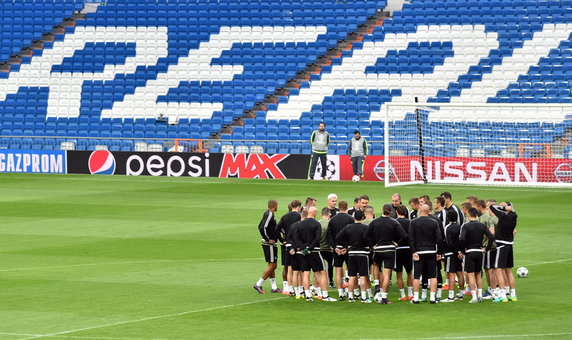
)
(424, 241)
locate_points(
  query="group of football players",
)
(438, 245)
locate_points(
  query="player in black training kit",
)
(471, 241)
(452, 249)
(384, 233)
(267, 228)
(403, 257)
(353, 241)
(282, 229)
(395, 202)
(450, 206)
(414, 205)
(424, 240)
(306, 239)
(336, 224)
(504, 261)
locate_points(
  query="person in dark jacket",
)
(353, 241)
(504, 238)
(424, 241)
(282, 229)
(471, 241)
(453, 264)
(267, 229)
(336, 224)
(384, 234)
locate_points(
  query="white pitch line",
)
(125, 262)
(148, 318)
(548, 262)
(18, 334)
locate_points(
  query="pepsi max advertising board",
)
(188, 164)
(143, 163)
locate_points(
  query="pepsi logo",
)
(101, 163)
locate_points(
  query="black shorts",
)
(384, 259)
(473, 262)
(285, 256)
(504, 258)
(490, 257)
(328, 256)
(270, 253)
(358, 264)
(340, 259)
(427, 265)
(313, 261)
(453, 264)
(403, 259)
(296, 262)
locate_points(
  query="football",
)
(356, 178)
(522, 272)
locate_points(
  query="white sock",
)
(415, 296)
(507, 290)
(474, 294)
(260, 282)
(432, 296)
(341, 292)
(424, 293)
(513, 293)
(503, 293)
(291, 289)
(273, 284)
(301, 289)
(439, 293)
(410, 291)
(451, 294)
(363, 295)
(356, 292)
(402, 292)
(384, 295)
(298, 293)
(350, 295)
(319, 291)
(325, 294)
(446, 281)
(376, 282)
(285, 286)
(369, 294)
(480, 293)
(308, 293)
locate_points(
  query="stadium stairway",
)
(305, 76)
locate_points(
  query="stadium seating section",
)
(263, 44)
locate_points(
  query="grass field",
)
(87, 257)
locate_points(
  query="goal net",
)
(489, 144)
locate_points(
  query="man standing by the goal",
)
(358, 152)
(320, 140)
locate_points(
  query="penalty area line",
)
(156, 317)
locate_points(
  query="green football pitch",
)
(110, 257)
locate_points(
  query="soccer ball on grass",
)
(356, 178)
(522, 272)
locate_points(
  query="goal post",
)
(478, 144)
